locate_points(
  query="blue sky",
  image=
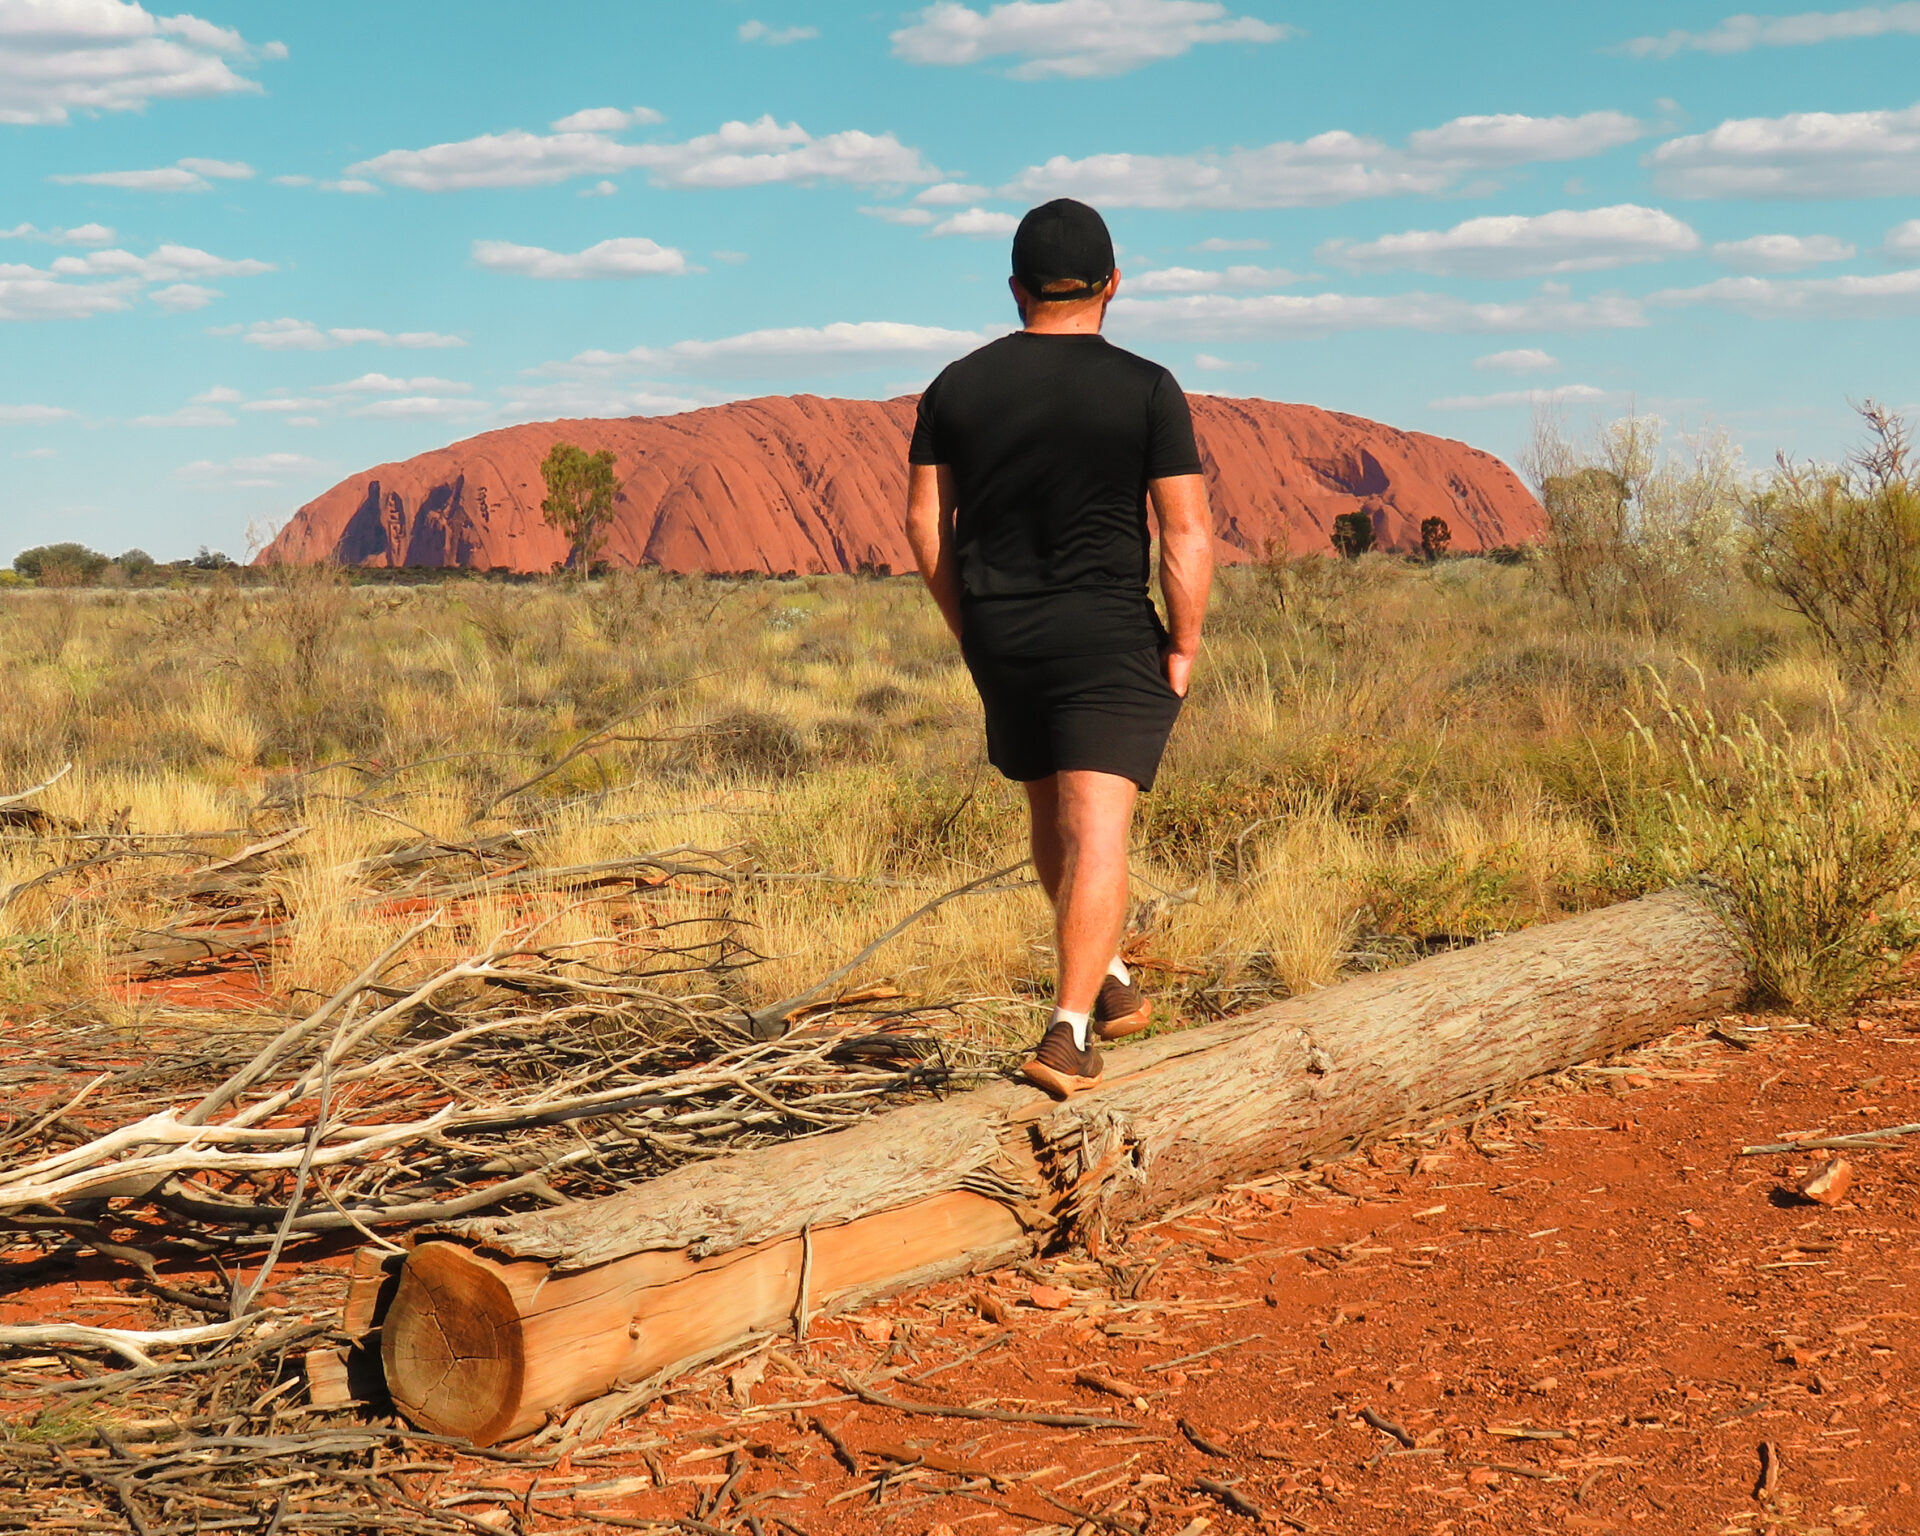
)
(250, 249)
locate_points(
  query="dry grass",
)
(1378, 758)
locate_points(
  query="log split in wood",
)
(497, 1324)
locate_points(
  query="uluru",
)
(804, 484)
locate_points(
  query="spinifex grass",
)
(1376, 755)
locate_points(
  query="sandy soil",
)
(1585, 1312)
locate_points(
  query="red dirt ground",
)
(1587, 1313)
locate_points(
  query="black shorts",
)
(1109, 714)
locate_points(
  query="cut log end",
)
(452, 1348)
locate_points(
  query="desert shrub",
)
(1811, 841)
(1639, 532)
(626, 607)
(754, 743)
(501, 615)
(65, 564)
(1841, 547)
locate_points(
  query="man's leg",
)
(1090, 903)
(1080, 822)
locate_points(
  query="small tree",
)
(1353, 534)
(66, 564)
(136, 563)
(579, 504)
(1436, 538)
(1638, 532)
(1842, 547)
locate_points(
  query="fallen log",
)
(497, 1324)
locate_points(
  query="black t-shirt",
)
(1052, 440)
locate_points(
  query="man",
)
(1033, 463)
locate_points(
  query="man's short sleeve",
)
(1170, 446)
(925, 448)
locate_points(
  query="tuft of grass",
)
(1812, 842)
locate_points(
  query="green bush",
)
(1811, 843)
(66, 563)
(1841, 547)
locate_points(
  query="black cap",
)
(1059, 241)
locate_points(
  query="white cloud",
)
(168, 263)
(606, 119)
(1739, 34)
(1518, 360)
(1886, 295)
(1804, 154)
(1511, 138)
(58, 57)
(980, 223)
(731, 258)
(263, 469)
(80, 234)
(1197, 280)
(1514, 245)
(281, 406)
(1075, 39)
(775, 37)
(578, 398)
(600, 189)
(188, 416)
(32, 415)
(1903, 240)
(913, 216)
(69, 288)
(218, 395)
(27, 293)
(38, 453)
(1214, 243)
(1332, 167)
(951, 194)
(171, 178)
(349, 185)
(1563, 394)
(419, 408)
(289, 335)
(1206, 362)
(217, 170)
(1781, 253)
(842, 345)
(1220, 317)
(738, 154)
(178, 298)
(626, 256)
(381, 384)
(188, 175)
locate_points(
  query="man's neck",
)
(1086, 322)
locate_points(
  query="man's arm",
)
(1186, 567)
(930, 508)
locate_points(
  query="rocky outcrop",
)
(798, 483)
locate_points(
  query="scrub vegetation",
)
(1381, 757)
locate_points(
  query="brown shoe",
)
(1121, 1009)
(1061, 1067)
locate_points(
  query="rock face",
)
(797, 483)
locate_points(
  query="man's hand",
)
(1179, 665)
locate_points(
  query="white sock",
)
(1077, 1022)
(1118, 970)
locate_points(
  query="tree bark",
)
(499, 1323)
